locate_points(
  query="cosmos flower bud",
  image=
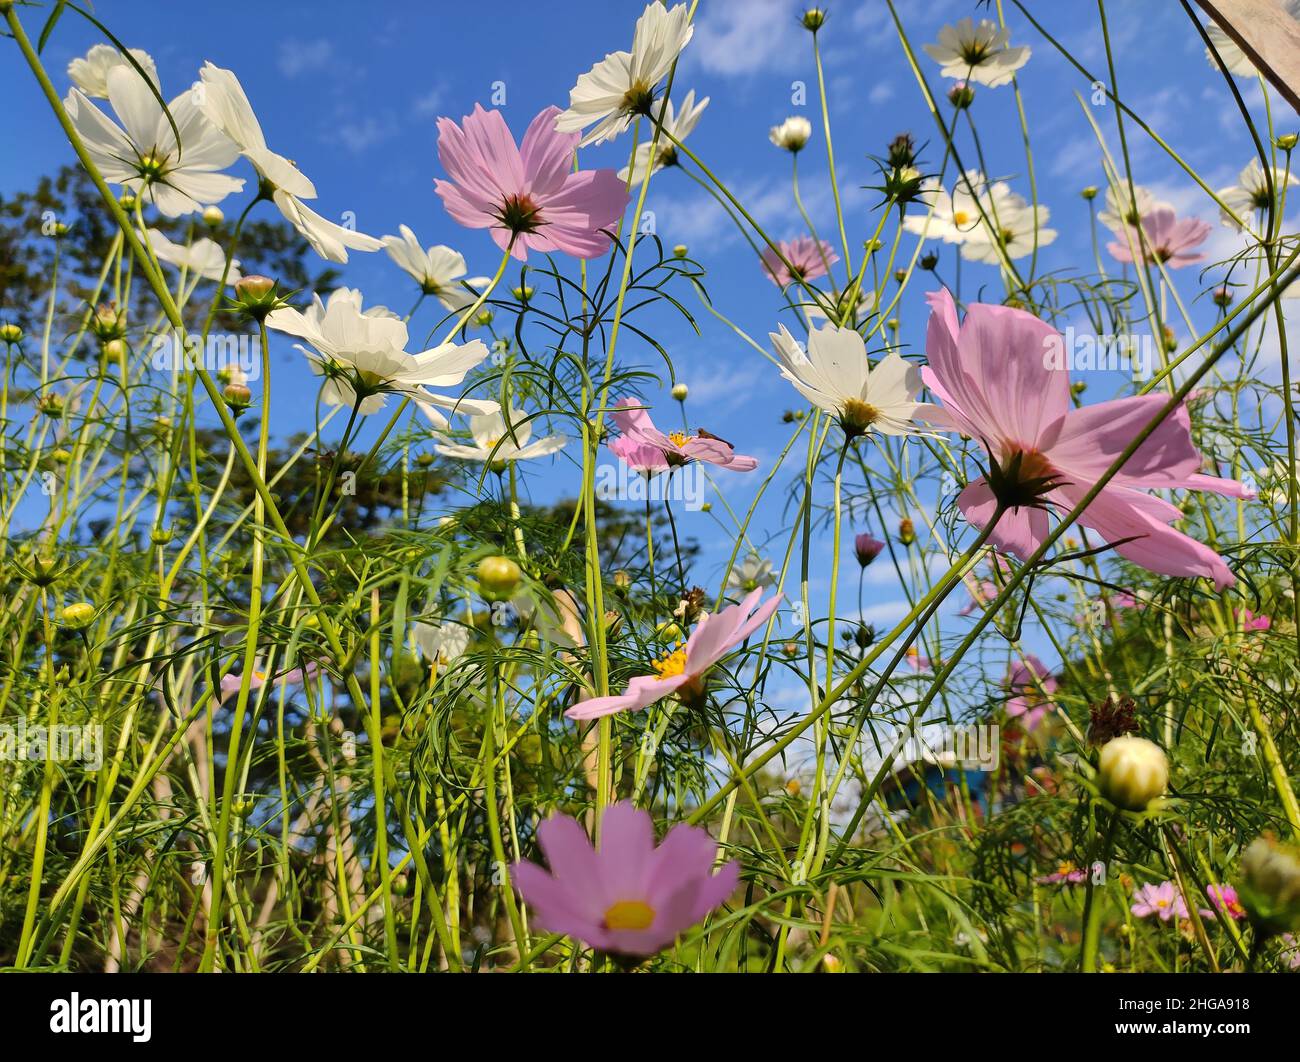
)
(116, 349)
(1287, 141)
(10, 333)
(906, 531)
(61, 456)
(680, 391)
(1132, 772)
(107, 323)
(961, 95)
(256, 296)
(1222, 296)
(237, 397)
(680, 251)
(484, 318)
(902, 151)
(498, 577)
(78, 615)
(213, 216)
(51, 404)
(242, 804)
(127, 201)
(1089, 193)
(424, 460)
(814, 19)
(523, 294)
(792, 134)
(867, 548)
(1270, 889)
(929, 260)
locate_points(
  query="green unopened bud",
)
(706, 507)
(1078, 387)
(929, 260)
(212, 216)
(10, 333)
(51, 404)
(484, 318)
(523, 294)
(498, 577)
(237, 397)
(61, 456)
(1270, 887)
(1090, 192)
(1287, 141)
(44, 570)
(1222, 296)
(242, 804)
(127, 201)
(961, 95)
(79, 615)
(680, 391)
(115, 349)
(1132, 772)
(424, 460)
(679, 251)
(906, 531)
(256, 296)
(108, 323)
(814, 19)
(160, 536)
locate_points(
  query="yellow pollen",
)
(960, 217)
(858, 415)
(680, 438)
(629, 914)
(671, 664)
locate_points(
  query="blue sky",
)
(351, 92)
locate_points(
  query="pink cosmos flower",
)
(1065, 874)
(1224, 898)
(867, 548)
(995, 378)
(528, 194)
(627, 896)
(916, 661)
(682, 671)
(1251, 622)
(1026, 678)
(298, 676)
(1168, 239)
(808, 260)
(1163, 900)
(981, 594)
(677, 447)
(638, 456)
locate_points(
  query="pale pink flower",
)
(1168, 239)
(683, 669)
(528, 195)
(638, 456)
(627, 896)
(1028, 681)
(677, 447)
(1164, 900)
(298, 676)
(994, 374)
(1065, 874)
(981, 594)
(808, 260)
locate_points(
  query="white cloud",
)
(301, 57)
(736, 37)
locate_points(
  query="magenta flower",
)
(529, 196)
(867, 548)
(298, 676)
(677, 447)
(638, 456)
(1224, 898)
(627, 896)
(682, 670)
(994, 377)
(1251, 622)
(1065, 874)
(981, 594)
(808, 260)
(1163, 900)
(1029, 680)
(1168, 240)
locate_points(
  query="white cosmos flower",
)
(362, 355)
(203, 257)
(496, 441)
(226, 105)
(90, 72)
(954, 216)
(440, 643)
(834, 374)
(1250, 193)
(142, 153)
(1232, 55)
(622, 84)
(436, 269)
(1008, 225)
(680, 123)
(977, 52)
(1118, 214)
(792, 134)
(751, 574)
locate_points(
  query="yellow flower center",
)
(960, 217)
(679, 438)
(857, 415)
(629, 914)
(671, 664)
